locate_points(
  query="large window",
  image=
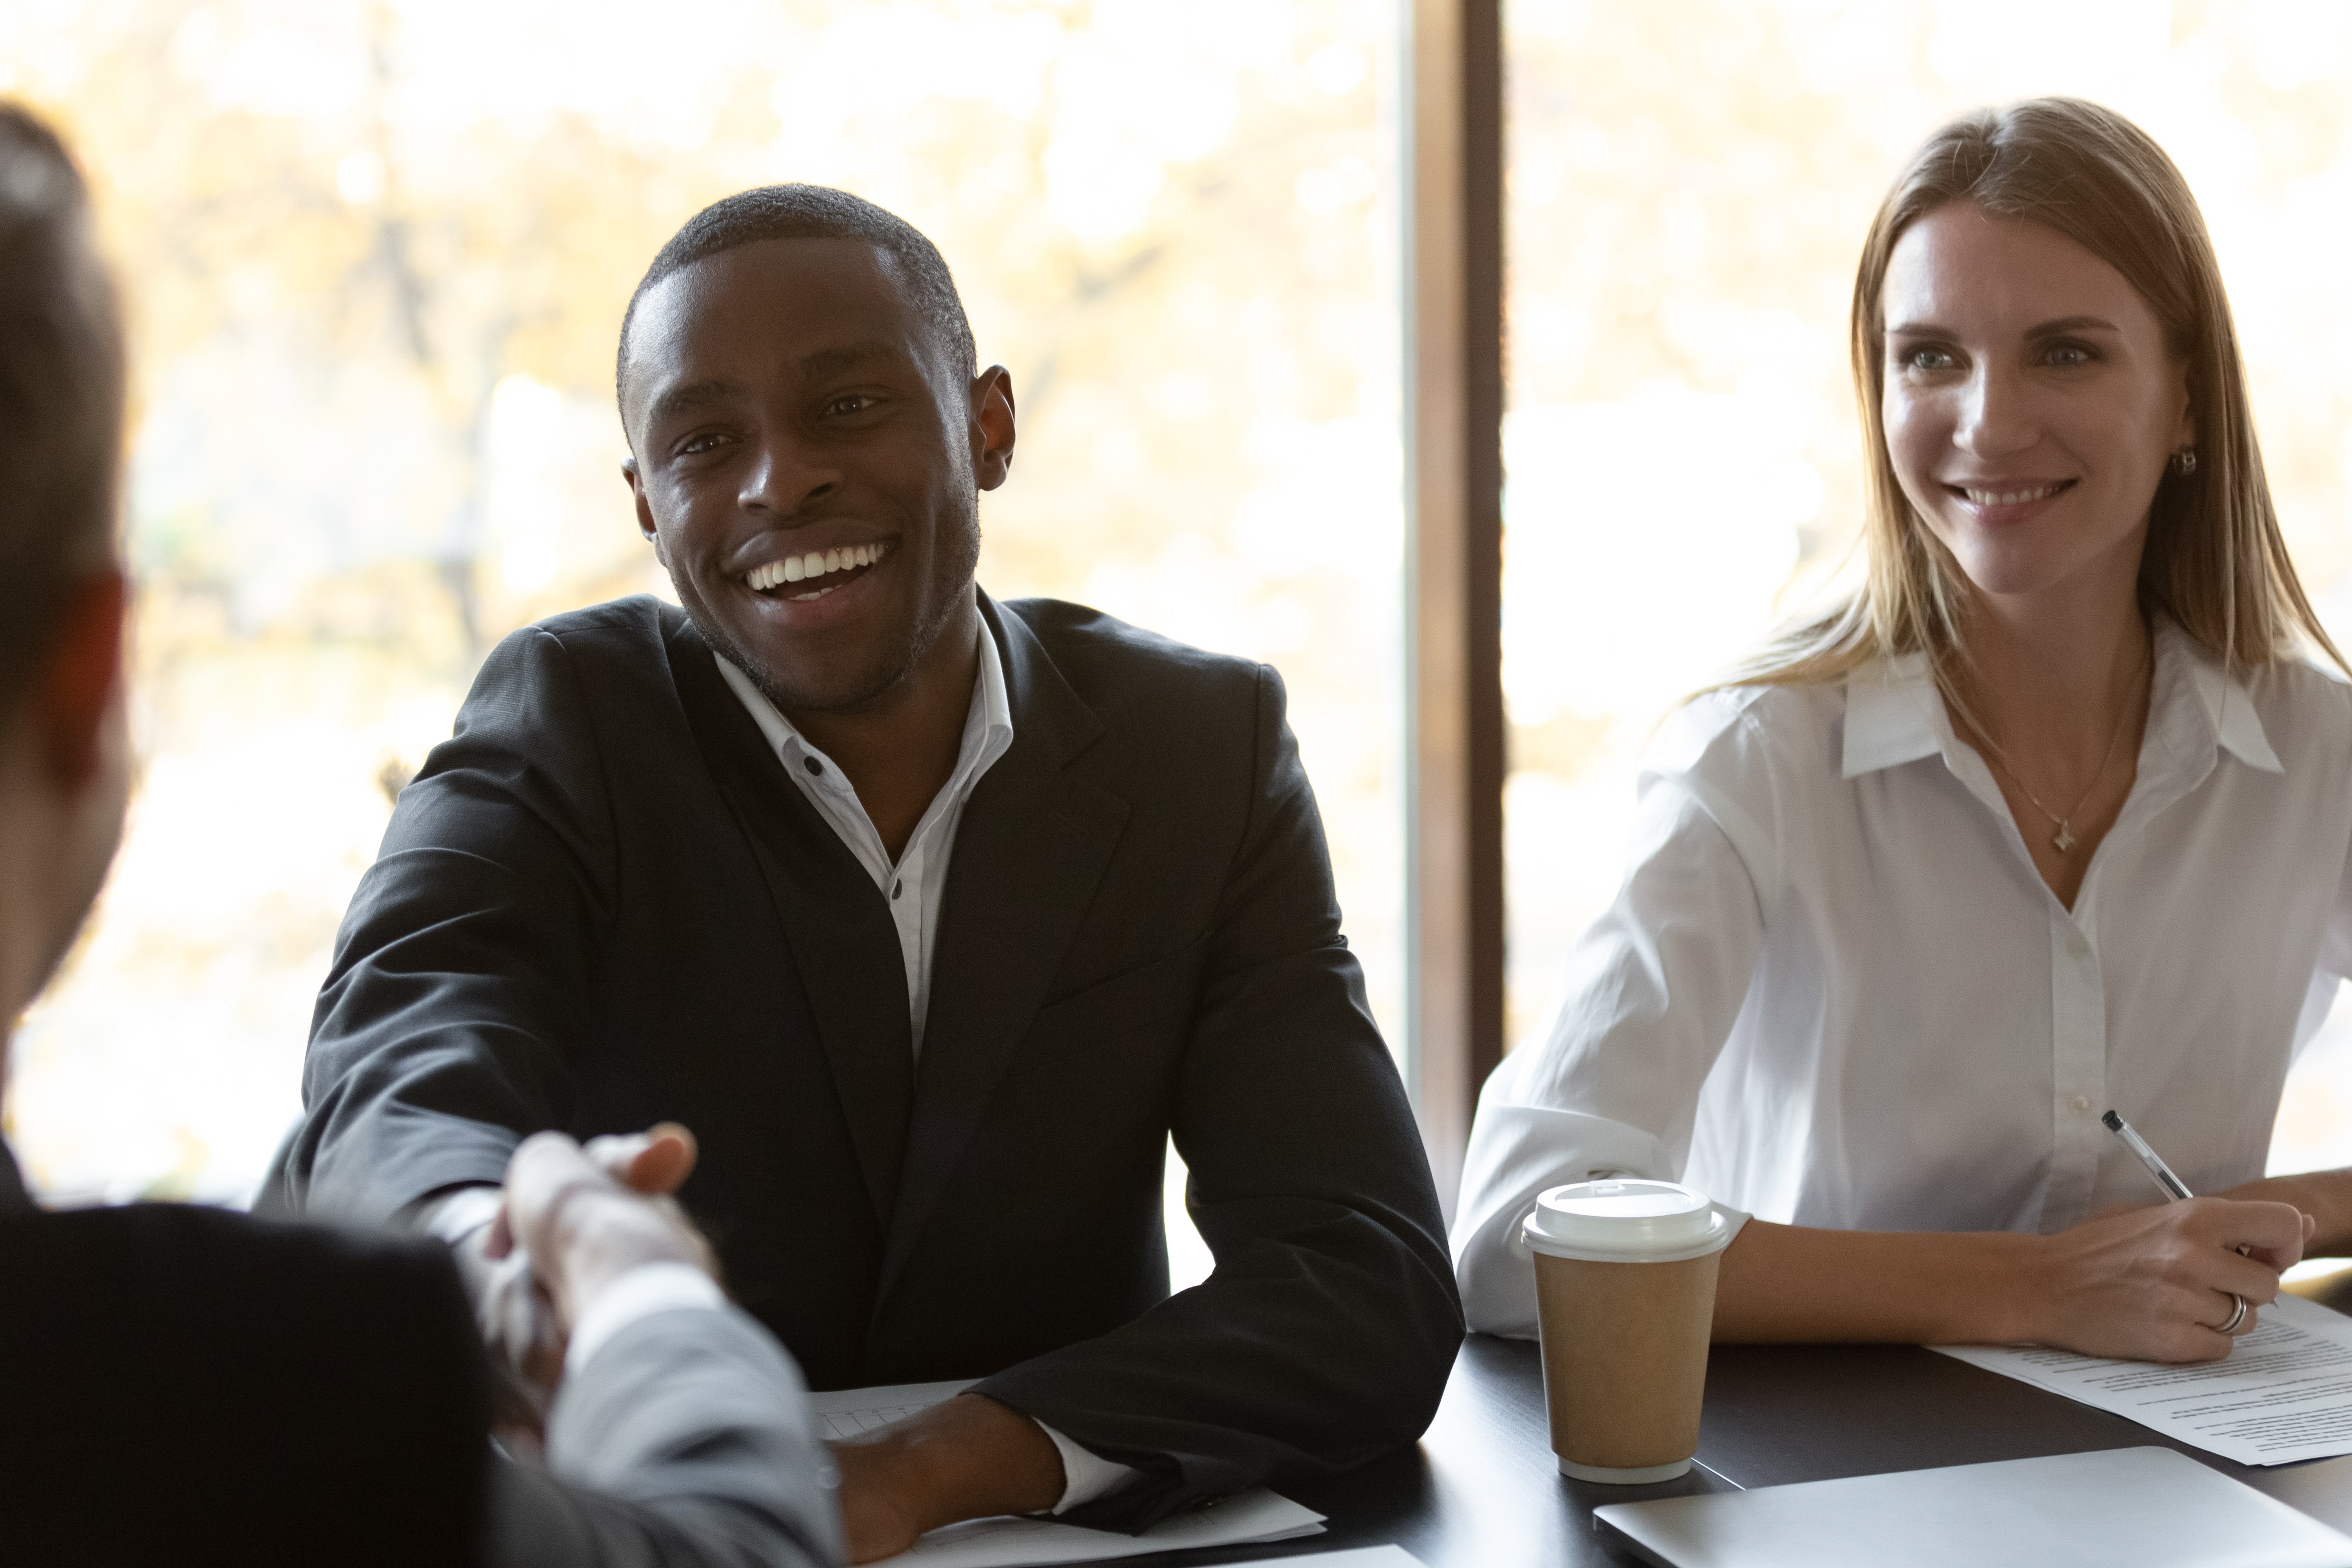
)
(378, 252)
(1688, 186)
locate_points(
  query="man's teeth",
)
(2012, 498)
(815, 563)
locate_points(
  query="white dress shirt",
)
(1833, 991)
(915, 884)
(918, 880)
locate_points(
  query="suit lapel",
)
(1032, 846)
(835, 919)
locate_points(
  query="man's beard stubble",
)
(952, 579)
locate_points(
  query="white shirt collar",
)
(987, 726)
(991, 707)
(2228, 707)
(1893, 714)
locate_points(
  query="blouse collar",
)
(1893, 714)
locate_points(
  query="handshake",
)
(572, 1222)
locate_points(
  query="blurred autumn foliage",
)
(377, 252)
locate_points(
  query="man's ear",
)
(636, 483)
(992, 426)
(79, 683)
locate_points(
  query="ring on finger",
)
(2235, 1318)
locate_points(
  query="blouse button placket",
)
(2078, 1061)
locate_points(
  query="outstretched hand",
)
(656, 1161)
(583, 1221)
(545, 1268)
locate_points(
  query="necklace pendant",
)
(2064, 839)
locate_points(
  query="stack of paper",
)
(2283, 1394)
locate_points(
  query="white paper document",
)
(1015, 1541)
(846, 1412)
(1359, 1557)
(2285, 1392)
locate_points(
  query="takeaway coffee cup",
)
(1625, 1299)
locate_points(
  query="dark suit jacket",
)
(602, 903)
(183, 1385)
(188, 1386)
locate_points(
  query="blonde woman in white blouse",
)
(2051, 817)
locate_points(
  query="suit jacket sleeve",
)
(1326, 1334)
(686, 1442)
(438, 1043)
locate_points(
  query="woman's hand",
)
(2326, 1195)
(2154, 1284)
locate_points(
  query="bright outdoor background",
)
(378, 251)
(1688, 188)
(378, 248)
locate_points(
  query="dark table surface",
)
(1483, 1490)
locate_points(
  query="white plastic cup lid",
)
(1621, 1219)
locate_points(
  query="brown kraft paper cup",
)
(1624, 1359)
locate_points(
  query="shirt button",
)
(897, 887)
(2080, 1105)
(2076, 947)
(813, 765)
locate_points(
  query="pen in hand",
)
(2175, 1191)
(2174, 1187)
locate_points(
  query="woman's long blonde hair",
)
(2214, 561)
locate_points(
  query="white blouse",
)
(1834, 991)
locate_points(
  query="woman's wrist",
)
(2027, 1286)
(1782, 1283)
(2326, 1195)
(1998, 1286)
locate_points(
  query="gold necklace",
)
(2064, 840)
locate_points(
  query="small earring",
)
(2184, 461)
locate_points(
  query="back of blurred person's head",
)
(60, 397)
(63, 759)
(149, 1413)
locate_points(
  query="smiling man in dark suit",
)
(183, 1385)
(934, 916)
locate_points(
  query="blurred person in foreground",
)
(935, 916)
(2051, 817)
(180, 1384)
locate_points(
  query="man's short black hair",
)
(813, 211)
(61, 389)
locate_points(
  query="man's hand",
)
(968, 1457)
(568, 1210)
(517, 1315)
(656, 1161)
